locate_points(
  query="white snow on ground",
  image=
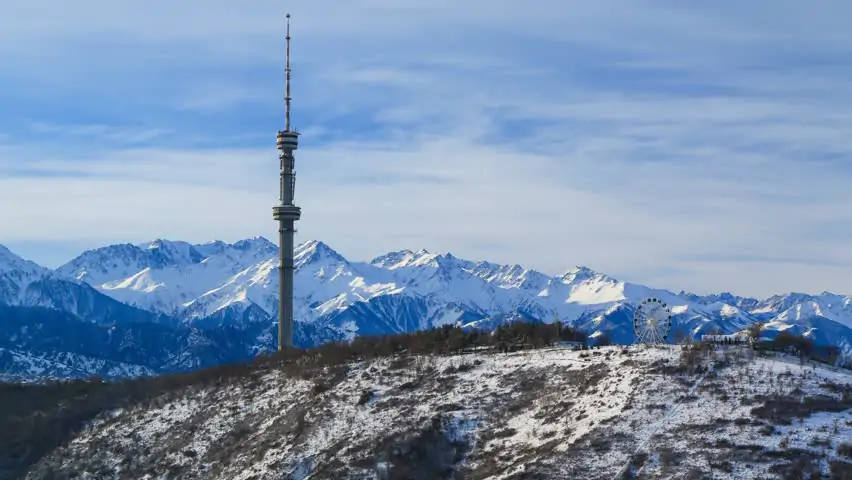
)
(554, 412)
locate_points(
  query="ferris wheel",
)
(652, 321)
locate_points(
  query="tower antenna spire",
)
(286, 213)
(287, 94)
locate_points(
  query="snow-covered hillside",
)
(25, 366)
(608, 413)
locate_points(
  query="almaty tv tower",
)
(286, 213)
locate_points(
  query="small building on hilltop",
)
(739, 338)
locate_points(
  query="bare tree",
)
(755, 329)
(714, 330)
(603, 340)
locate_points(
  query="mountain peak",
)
(166, 252)
(579, 271)
(214, 247)
(391, 260)
(313, 251)
(314, 245)
(5, 253)
(10, 261)
(253, 243)
(157, 243)
(163, 243)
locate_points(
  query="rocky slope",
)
(608, 413)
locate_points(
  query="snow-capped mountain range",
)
(404, 289)
(224, 296)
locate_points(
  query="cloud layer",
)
(703, 148)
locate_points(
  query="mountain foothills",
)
(166, 306)
(624, 413)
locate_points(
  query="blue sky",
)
(704, 148)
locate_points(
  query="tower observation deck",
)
(286, 213)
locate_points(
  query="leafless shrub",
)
(449, 407)
(552, 412)
(800, 468)
(428, 452)
(820, 442)
(722, 465)
(840, 470)
(505, 433)
(600, 443)
(668, 456)
(782, 410)
(366, 396)
(531, 383)
(400, 363)
(411, 384)
(637, 460)
(320, 387)
(466, 366)
(694, 473)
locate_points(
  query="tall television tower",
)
(286, 213)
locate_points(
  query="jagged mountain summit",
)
(224, 295)
(396, 292)
(169, 277)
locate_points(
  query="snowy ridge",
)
(552, 413)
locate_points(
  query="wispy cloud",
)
(702, 147)
(212, 98)
(99, 132)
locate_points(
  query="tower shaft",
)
(285, 284)
(286, 213)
